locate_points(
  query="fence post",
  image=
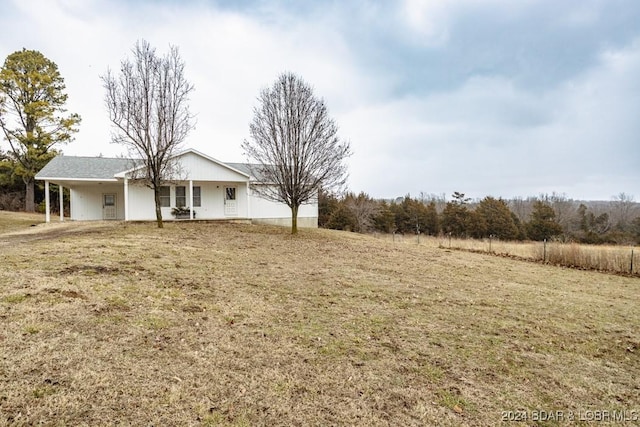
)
(631, 268)
(490, 238)
(544, 252)
(449, 240)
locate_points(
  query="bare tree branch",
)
(148, 107)
(295, 145)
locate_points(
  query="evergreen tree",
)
(32, 103)
(401, 217)
(327, 204)
(498, 219)
(412, 216)
(591, 228)
(543, 223)
(476, 225)
(456, 216)
(384, 220)
(522, 230)
(431, 220)
(342, 219)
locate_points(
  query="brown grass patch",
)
(12, 221)
(220, 324)
(604, 258)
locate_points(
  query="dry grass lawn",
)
(12, 221)
(220, 324)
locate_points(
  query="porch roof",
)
(83, 168)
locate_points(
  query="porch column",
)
(126, 199)
(190, 199)
(47, 210)
(61, 197)
(248, 200)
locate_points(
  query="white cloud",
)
(229, 57)
(427, 19)
(489, 136)
(430, 21)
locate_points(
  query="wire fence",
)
(616, 259)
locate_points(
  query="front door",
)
(230, 202)
(108, 206)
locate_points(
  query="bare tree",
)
(148, 106)
(623, 210)
(440, 200)
(363, 208)
(563, 207)
(295, 145)
(520, 207)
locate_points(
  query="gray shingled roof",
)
(250, 169)
(71, 167)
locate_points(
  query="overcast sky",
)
(486, 97)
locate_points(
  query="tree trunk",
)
(30, 195)
(294, 219)
(156, 193)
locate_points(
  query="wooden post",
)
(544, 251)
(631, 268)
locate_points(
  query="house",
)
(107, 189)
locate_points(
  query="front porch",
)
(130, 200)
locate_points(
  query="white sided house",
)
(207, 189)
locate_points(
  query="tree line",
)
(550, 217)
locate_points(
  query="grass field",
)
(219, 324)
(607, 258)
(13, 221)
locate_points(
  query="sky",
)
(495, 98)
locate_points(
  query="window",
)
(181, 196)
(109, 200)
(165, 197)
(230, 193)
(196, 197)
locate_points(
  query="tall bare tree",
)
(295, 145)
(148, 107)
